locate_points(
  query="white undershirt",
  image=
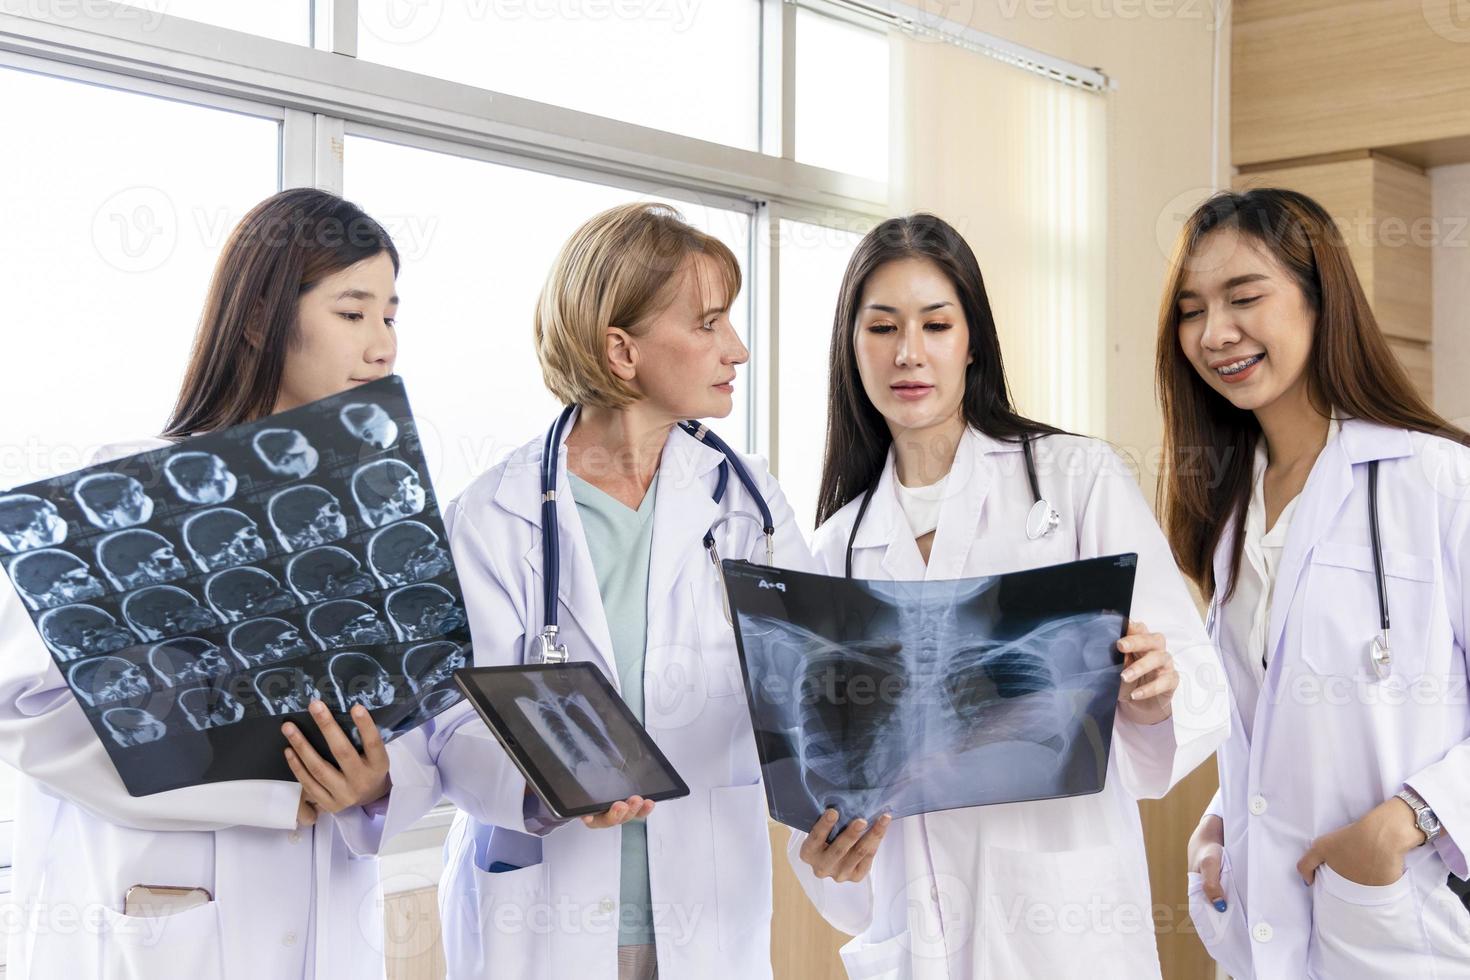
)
(1245, 622)
(920, 504)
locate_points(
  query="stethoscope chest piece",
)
(1042, 520)
(1382, 659)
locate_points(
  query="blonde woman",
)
(634, 335)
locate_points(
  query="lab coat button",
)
(289, 940)
(1263, 932)
(606, 905)
(934, 892)
(1258, 805)
(294, 837)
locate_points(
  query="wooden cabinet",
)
(1382, 209)
(1313, 77)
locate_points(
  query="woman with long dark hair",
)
(1331, 503)
(926, 477)
(301, 306)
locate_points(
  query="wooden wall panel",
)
(1416, 360)
(1383, 211)
(411, 947)
(1167, 824)
(1311, 77)
(803, 945)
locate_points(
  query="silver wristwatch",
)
(1424, 817)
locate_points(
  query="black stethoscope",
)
(1040, 521)
(548, 650)
(1379, 653)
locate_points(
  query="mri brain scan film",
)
(28, 522)
(194, 594)
(909, 697)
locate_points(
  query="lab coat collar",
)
(1326, 491)
(1365, 441)
(683, 466)
(966, 487)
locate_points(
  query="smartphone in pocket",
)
(152, 901)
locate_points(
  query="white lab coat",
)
(1055, 888)
(1331, 742)
(708, 853)
(287, 903)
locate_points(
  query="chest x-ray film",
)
(576, 742)
(195, 597)
(910, 697)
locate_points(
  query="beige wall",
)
(1160, 164)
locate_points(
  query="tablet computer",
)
(577, 743)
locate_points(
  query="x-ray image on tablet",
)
(578, 745)
(875, 696)
(194, 596)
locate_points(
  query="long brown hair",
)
(857, 435)
(1350, 370)
(286, 245)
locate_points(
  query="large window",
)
(813, 259)
(477, 240)
(841, 95)
(284, 20)
(115, 211)
(689, 68)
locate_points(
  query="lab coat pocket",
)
(1342, 592)
(139, 947)
(1223, 934)
(516, 920)
(887, 960)
(742, 852)
(1355, 927)
(1046, 913)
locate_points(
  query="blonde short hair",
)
(617, 270)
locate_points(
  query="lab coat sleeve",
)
(1216, 807)
(45, 735)
(1445, 785)
(454, 755)
(1152, 758)
(847, 905)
